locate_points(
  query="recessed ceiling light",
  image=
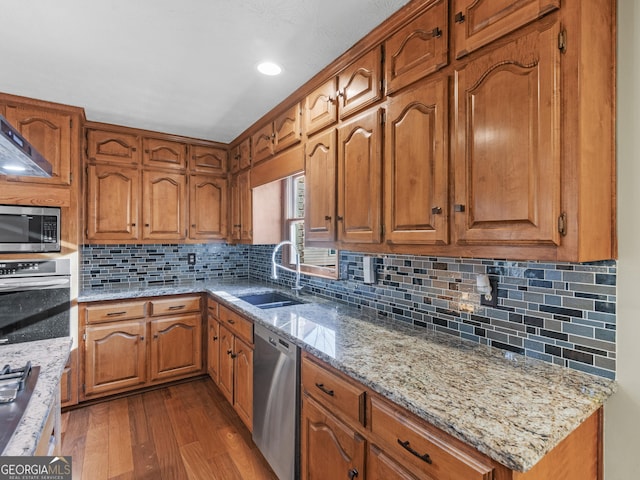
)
(269, 68)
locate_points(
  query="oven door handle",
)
(21, 284)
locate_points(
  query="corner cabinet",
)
(133, 344)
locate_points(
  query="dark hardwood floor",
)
(185, 431)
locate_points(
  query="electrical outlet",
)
(494, 294)
(191, 258)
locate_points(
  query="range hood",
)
(17, 156)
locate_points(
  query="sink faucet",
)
(274, 273)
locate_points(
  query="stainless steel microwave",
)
(29, 229)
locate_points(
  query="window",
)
(321, 262)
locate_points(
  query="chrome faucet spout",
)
(275, 265)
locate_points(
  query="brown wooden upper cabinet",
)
(240, 156)
(163, 153)
(285, 130)
(360, 178)
(507, 156)
(321, 107)
(418, 48)
(113, 147)
(207, 159)
(52, 133)
(164, 206)
(359, 85)
(320, 188)
(112, 202)
(416, 165)
(207, 207)
(241, 208)
(478, 22)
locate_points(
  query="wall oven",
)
(29, 229)
(35, 300)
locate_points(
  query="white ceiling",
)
(185, 67)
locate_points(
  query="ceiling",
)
(185, 67)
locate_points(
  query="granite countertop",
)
(51, 355)
(513, 408)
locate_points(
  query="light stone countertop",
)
(51, 355)
(513, 408)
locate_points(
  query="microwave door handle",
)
(50, 282)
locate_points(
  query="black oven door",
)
(34, 308)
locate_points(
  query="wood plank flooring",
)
(185, 431)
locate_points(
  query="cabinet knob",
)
(234, 355)
(133, 224)
(146, 224)
(142, 339)
(228, 352)
(458, 208)
(353, 473)
(339, 218)
(215, 337)
(231, 321)
(436, 210)
(327, 217)
(193, 225)
(155, 335)
(459, 18)
(436, 32)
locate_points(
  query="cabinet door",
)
(262, 142)
(69, 381)
(176, 346)
(286, 128)
(213, 349)
(240, 157)
(359, 84)
(478, 22)
(113, 147)
(507, 157)
(360, 179)
(112, 202)
(51, 133)
(206, 159)
(235, 228)
(320, 188)
(163, 212)
(246, 206)
(321, 107)
(114, 357)
(416, 166)
(243, 382)
(329, 448)
(164, 154)
(226, 364)
(382, 467)
(417, 49)
(207, 208)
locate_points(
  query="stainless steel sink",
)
(270, 300)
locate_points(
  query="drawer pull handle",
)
(324, 389)
(408, 448)
(115, 314)
(176, 307)
(231, 321)
(353, 473)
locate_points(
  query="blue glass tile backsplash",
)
(563, 313)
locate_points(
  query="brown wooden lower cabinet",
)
(399, 445)
(230, 340)
(329, 447)
(136, 343)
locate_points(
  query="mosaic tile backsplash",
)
(120, 266)
(563, 313)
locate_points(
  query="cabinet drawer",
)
(165, 306)
(333, 391)
(111, 312)
(412, 444)
(239, 325)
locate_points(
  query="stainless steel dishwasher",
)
(276, 401)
